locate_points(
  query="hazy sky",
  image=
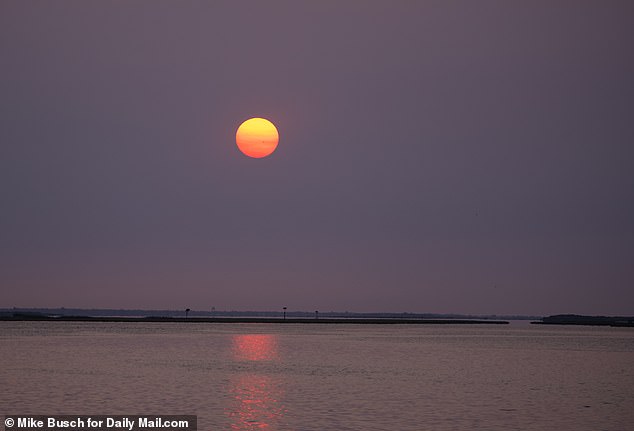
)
(434, 156)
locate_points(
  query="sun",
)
(257, 137)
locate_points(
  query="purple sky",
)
(445, 156)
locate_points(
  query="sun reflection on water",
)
(255, 347)
(256, 403)
(256, 398)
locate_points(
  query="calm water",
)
(325, 377)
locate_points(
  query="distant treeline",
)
(104, 312)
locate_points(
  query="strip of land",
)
(575, 319)
(385, 321)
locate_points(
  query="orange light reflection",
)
(255, 347)
(255, 397)
(257, 403)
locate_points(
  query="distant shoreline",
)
(325, 320)
(574, 319)
(328, 317)
(213, 313)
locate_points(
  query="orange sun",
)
(257, 137)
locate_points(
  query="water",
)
(325, 377)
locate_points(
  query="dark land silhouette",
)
(285, 316)
(25, 316)
(575, 319)
(212, 312)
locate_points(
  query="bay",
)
(247, 376)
